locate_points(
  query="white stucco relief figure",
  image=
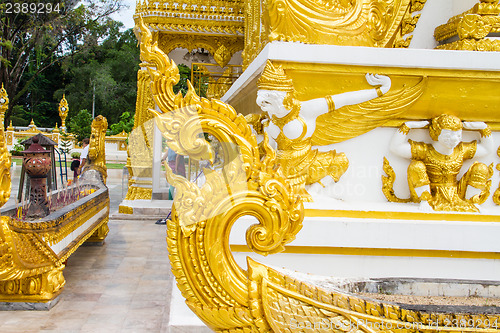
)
(295, 126)
(433, 170)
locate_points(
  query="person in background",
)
(83, 155)
(75, 164)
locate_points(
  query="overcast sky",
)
(126, 15)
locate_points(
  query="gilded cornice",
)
(222, 17)
(471, 28)
(194, 26)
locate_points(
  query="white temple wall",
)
(371, 248)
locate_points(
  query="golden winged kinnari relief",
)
(294, 127)
(224, 296)
(433, 170)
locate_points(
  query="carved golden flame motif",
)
(226, 297)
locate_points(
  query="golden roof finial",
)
(274, 78)
(4, 98)
(10, 128)
(32, 123)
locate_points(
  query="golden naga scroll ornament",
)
(5, 158)
(224, 296)
(97, 149)
(433, 170)
(63, 111)
(297, 126)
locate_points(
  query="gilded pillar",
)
(140, 148)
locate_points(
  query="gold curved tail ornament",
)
(214, 286)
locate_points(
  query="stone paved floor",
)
(122, 286)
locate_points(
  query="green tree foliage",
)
(185, 75)
(81, 125)
(33, 41)
(126, 124)
(65, 143)
(106, 72)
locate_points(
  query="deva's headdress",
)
(274, 78)
(444, 121)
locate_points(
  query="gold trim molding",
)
(192, 16)
(379, 252)
(472, 28)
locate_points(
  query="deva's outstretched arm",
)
(319, 106)
(485, 145)
(381, 82)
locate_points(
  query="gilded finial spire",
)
(63, 111)
(274, 78)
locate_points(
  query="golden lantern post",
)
(63, 112)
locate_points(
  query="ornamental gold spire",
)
(63, 112)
